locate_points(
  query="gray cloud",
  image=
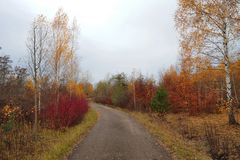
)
(139, 35)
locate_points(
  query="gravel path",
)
(116, 136)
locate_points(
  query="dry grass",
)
(184, 135)
(18, 142)
(47, 144)
(198, 124)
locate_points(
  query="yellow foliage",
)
(76, 89)
(79, 90)
(29, 85)
(90, 88)
(87, 88)
(9, 111)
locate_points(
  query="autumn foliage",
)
(195, 86)
(189, 95)
(121, 91)
(144, 89)
(103, 93)
(69, 111)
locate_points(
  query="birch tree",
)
(37, 44)
(61, 51)
(211, 28)
(72, 67)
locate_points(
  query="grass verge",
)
(174, 142)
(58, 144)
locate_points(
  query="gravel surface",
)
(116, 136)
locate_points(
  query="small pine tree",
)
(160, 102)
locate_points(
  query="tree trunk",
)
(134, 96)
(39, 99)
(234, 88)
(35, 111)
(231, 117)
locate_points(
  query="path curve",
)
(116, 136)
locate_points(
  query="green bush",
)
(160, 101)
(119, 85)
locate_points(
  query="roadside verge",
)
(171, 140)
(59, 144)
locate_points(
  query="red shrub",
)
(69, 111)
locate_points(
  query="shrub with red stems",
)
(68, 111)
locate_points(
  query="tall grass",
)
(47, 144)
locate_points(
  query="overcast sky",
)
(116, 35)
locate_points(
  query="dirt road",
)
(116, 136)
